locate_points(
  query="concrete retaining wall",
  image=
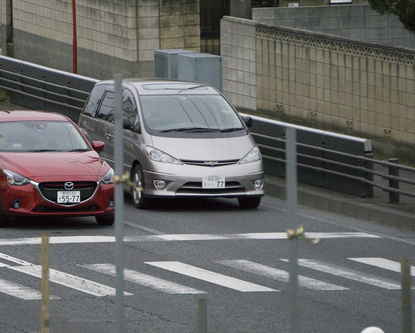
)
(113, 36)
(322, 81)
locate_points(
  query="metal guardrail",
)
(363, 171)
(334, 161)
(43, 88)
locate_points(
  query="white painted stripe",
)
(180, 237)
(14, 260)
(279, 275)
(3, 265)
(19, 291)
(383, 263)
(68, 280)
(58, 240)
(145, 280)
(212, 277)
(347, 273)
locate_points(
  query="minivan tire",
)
(139, 200)
(249, 202)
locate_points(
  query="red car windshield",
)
(40, 136)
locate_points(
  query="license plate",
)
(69, 197)
(213, 182)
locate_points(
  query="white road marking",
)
(180, 238)
(212, 277)
(19, 291)
(145, 280)
(14, 260)
(58, 240)
(383, 263)
(347, 273)
(65, 279)
(279, 275)
(70, 281)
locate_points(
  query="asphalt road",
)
(180, 251)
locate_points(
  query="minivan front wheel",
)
(249, 202)
(139, 199)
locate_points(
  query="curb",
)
(331, 201)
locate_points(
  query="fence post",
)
(45, 284)
(393, 183)
(406, 296)
(292, 200)
(202, 315)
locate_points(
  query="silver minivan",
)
(181, 139)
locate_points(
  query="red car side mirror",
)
(98, 146)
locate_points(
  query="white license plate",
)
(213, 182)
(69, 197)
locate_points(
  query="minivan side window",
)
(129, 109)
(93, 101)
(106, 111)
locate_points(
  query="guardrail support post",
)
(369, 165)
(393, 183)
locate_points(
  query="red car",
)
(48, 168)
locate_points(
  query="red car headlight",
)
(14, 178)
(108, 177)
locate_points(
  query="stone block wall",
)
(350, 21)
(180, 24)
(113, 36)
(238, 51)
(322, 81)
(5, 23)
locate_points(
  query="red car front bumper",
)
(27, 200)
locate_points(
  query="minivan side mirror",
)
(98, 146)
(126, 123)
(247, 120)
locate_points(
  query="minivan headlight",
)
(14, 178)
(159, 156)
(253, 156)
(108, 177)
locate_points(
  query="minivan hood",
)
(201, 149)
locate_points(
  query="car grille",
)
(49, 190)
(210, 163)
(196, 188)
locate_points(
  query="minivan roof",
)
(167, 86)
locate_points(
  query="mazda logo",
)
(68, 186)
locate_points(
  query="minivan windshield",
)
(189, 113)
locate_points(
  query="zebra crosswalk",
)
(212, 277)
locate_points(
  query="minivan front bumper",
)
(187, 180)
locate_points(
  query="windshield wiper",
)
(79, 149)
(232, 129)
(41, 150)
(191, 129)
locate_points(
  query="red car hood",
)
(55, 166)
